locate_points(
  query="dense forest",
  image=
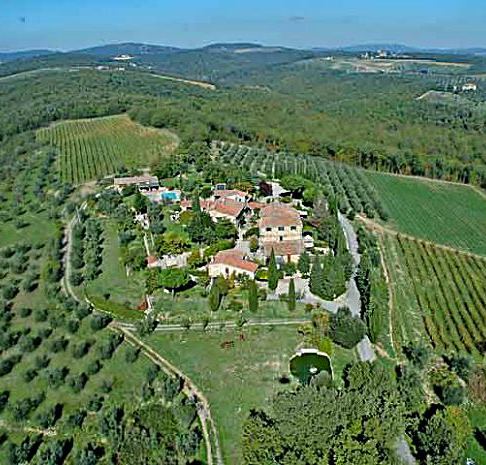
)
(375, 121)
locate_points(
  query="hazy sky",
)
(69, 24)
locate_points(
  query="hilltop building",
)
(281, 231)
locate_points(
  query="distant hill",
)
(393, 48)
(400, 48)
(25, 54)
(128, 48)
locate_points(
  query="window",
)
(293, 228)
(269, 229)
(281, 228)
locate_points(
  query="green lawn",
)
(193, 305)
(239, 378)
(125, 292)
(444, 213)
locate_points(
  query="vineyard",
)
(438, 294)
(350, 186)
(91, 149)
(445, 213)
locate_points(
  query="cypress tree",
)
(196, 204)
(291, 296)
(316, 277)
(253, 297)
(272, 272)
(304, 263)
(214, 298)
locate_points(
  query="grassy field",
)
(124, 293)
(93, 148)
(445, 213)
(438, 295)
(238, 378)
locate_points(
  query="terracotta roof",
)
(278, 214)
(284, 248)
(235, 259)
(256, 205)
(229, 192)
(228, 207)
(151, 259)
(224, 206)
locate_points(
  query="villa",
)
(224, 208)
(144, 183)
(231, 194)
(232, 262)
(281, 231)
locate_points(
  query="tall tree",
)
(291, 297)
(316, 277)
(273, 274)
(304, 263)
(214, 298)
(253, 297)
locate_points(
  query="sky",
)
(74, 24)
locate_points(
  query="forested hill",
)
(372, 120)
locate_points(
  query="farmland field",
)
(438, 295)
(93, 148)
(444, 213)
(238, 378)
(348, 184)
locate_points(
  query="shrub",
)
(49, 418)
(24, 312)
(81, 349)
(56, 376)
(76, 419)
(41, 362)
(77, 382)
(107, 349)
(82, 311)
(7, 364)
(345, 329)
(40, 315)
(29, 375)
(131, 354)
(29, 343)
(99, 321)
(72, 326)
(4, 396)
(95, 403)
(94, 367)
(59, 345)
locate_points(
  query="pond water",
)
(306, 365)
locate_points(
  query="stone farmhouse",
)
(281, 231)
(144, 183)
(232, 262)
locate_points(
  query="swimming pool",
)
(170, 195)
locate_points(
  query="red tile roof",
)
(234, 258)
(229, 192)
(256, 205)
(284, 248)
(227, 207)
(224, 206)
(151, 259)
(278, 214)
